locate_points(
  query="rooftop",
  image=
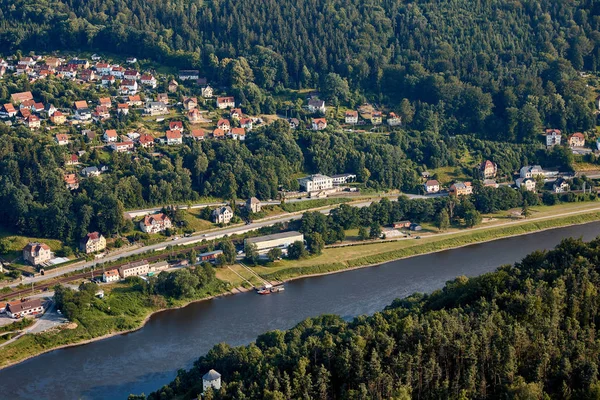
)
(282, 235)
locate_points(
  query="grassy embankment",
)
(122, 309)
(376, 252)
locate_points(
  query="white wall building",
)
(315, 182)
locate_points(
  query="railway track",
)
(98, 272)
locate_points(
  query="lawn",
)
(17, 242)
(196, 223)
(448, 174)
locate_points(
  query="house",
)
(210, 256)
(163, 97)
(148, 80)
(8, 111)
(488, 169)
(28, 61)
(211, 380)
(110, 135)
(315, 182)
(123, 108)
(189, 75)
(82, 112)
(72, 159)
(108, 80)
(224, 125)
(111, 276)
(87, 75)
(246, 123)
(101, 113)
(189, 103)
(194, 116)
(155, 223)
(58, 118)
(154, 108)
(176, 126)
(146, 140)
(526, 183)
(37, 253)
(560, 186)
(117, 71)
(553, 137)
(376, 118)
(79, 64)
(53, 62)
(341, 179)
(81, 104)
(90, 171)
(218, 133)
(432, 186)
(577, 140)
(134, 269)
(134, 101)
(173, 85)
(225, 102)
(128, 86)
(318, 124)
(33, 122)
(237, 134)
(235, 113)
(401, 224)
(173, 137)
(122, 147)
(131, 60)
(66, 71)
(222, 215)
(198, 134)
(351, 117)
(24, 113)
(294, 123)
(62, 139)
(103, 68)
(92, 242)
(21, 97)
(105, 102)
(131, 75)
(253, 205)
(460, 189)
(71, 181)
(23, 308)
(394, 120)
(29, 104)
(206, 92)
(531, 171)
(316, 105)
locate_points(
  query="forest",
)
(525, 331)
(499, 70)
(38, 203)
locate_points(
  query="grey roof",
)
(316, 103)
(87, 170)
(211, 375)
(222, 210)
(275, 236)
(252, 200)
(210, 253)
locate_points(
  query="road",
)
(217, 234)
(197, 238)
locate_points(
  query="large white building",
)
(222, 215)
(134, 269)
(155, 223)
(315, 182)
(281, 240)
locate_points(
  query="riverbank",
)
(311, 267)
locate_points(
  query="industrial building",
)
(281, 240)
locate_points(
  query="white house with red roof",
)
(110, 135)
(173, 137)
(155, 223)
(225, 102)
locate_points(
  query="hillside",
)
(526, 331)
(497, 68)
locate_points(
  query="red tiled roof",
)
(173, 134)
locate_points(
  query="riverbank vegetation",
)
(124, 307)
(525, 331)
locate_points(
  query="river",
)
(144, 360)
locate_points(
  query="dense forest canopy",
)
(501, 69)
(527, 331)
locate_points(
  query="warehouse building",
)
(281, 240)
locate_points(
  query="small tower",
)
(212, 379)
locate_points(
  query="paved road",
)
(216, 234)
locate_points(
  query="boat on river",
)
(269, 289)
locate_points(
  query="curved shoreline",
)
(238, 290)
